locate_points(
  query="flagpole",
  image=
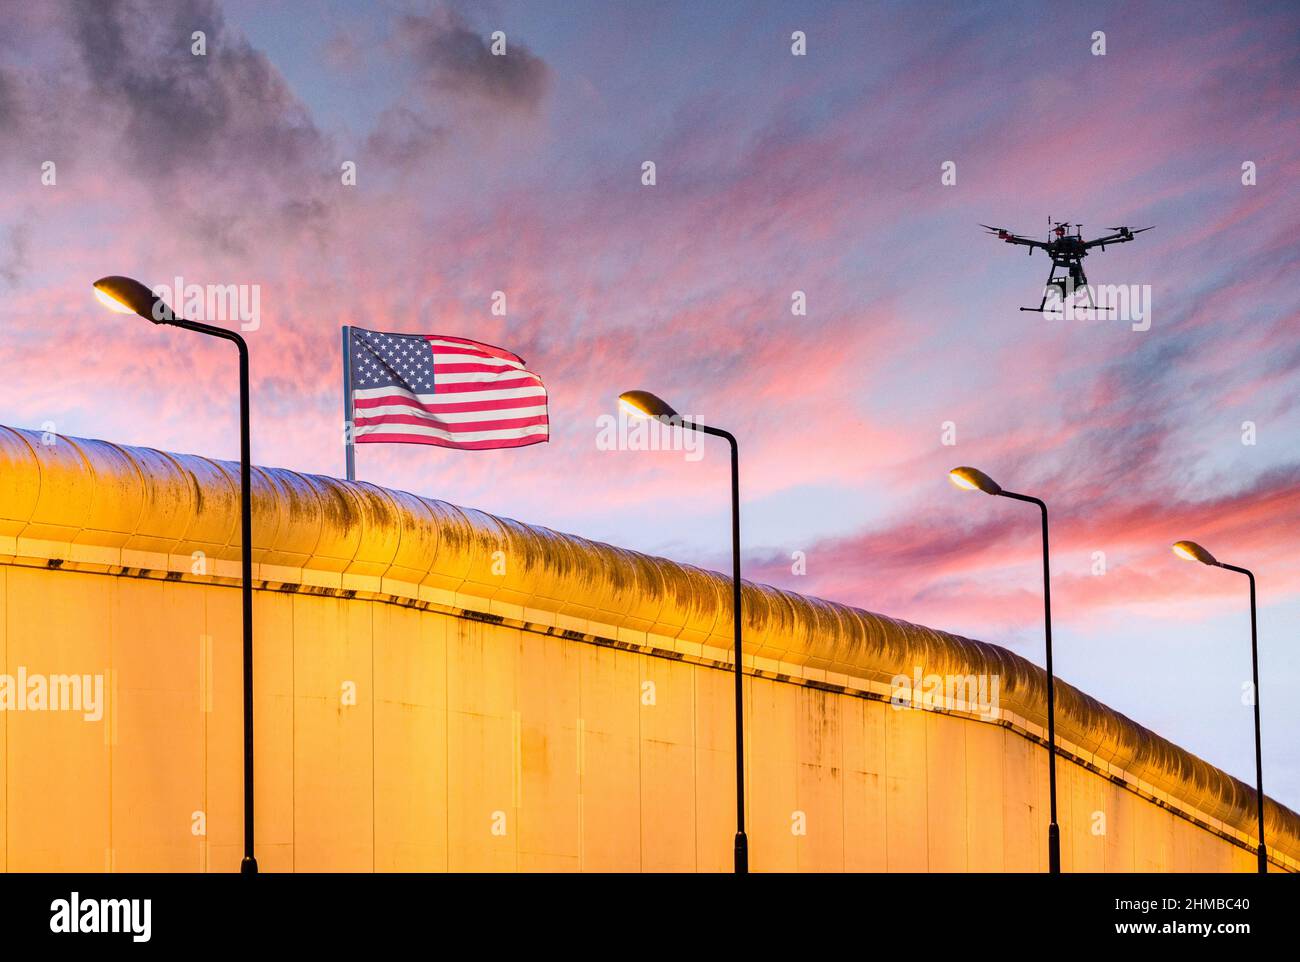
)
(349, 445)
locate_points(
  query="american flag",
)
(448, 391)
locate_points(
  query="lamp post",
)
(972, 479)
(128, 296)
(1191, 551)
(646, 405)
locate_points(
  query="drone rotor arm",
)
(1121, 235)
(1108, 239)
(1024, 241)
(1001, 233)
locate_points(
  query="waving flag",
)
(435, 389)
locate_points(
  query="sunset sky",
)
(775, 173)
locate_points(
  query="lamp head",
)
(973, 479)
(1191, 551)
(643, 404)
(128, 296)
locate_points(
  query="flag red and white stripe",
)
(443, 390)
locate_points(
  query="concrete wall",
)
(572, 712)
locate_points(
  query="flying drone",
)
(1067, 251)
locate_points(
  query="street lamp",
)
(972, 479)
(646, 405)
(128, 296)
(1191, 551)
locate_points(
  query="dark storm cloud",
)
(460, 61)
(178, 110)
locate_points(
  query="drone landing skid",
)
(1089, 307)
(1067, 284)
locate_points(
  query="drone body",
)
(1067, 252)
